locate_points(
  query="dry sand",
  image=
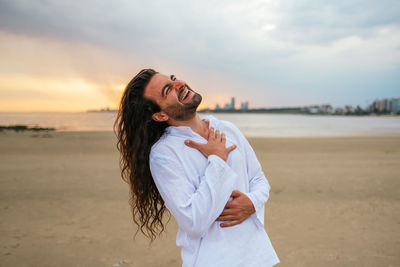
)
(334, 202)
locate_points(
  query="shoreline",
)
(354, 135)
(261, 125)
(235, 112)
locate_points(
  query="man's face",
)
(175, 97)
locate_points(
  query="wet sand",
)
(333, 202)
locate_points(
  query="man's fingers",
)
(231, 223)
(228, 211)
(217, 135)
(226, 218)
(211, 133)
(236, 193)
(193, 144)
(223, 138)
(232, 147)
(230, 205)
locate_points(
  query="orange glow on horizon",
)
(26, 93)
(44, 74)
(29, 94)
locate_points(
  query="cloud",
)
(280, 52)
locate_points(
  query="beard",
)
(184, 111)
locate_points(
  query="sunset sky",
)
(78, 55)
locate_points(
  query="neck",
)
(196, 124)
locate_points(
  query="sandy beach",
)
(333, 202)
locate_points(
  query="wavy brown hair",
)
(136, 132)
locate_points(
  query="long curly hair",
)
(136, 132)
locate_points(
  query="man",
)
(204, 169)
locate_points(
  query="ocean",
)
(252, 125)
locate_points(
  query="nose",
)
(178, 84)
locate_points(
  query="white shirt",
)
(195, 190)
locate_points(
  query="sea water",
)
(254, 125)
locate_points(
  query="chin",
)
(186, 111)
(196, 100)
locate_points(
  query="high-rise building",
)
(381, 105)
(388, 105)
(244, 105)
(373, 107)
(233, 103)
(396, 104)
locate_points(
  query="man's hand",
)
(215, 146)
(237, 210)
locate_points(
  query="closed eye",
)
(168, 90)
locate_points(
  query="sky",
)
(78, 55)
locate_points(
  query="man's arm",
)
(195, 209)
(249, 204)
(258, 184)
(237, 210)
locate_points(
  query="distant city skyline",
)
(381, 105)
(58, 56)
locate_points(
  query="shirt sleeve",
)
(195, 209)
(258, 184)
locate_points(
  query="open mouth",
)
(184, 93)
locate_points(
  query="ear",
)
(160, 116)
